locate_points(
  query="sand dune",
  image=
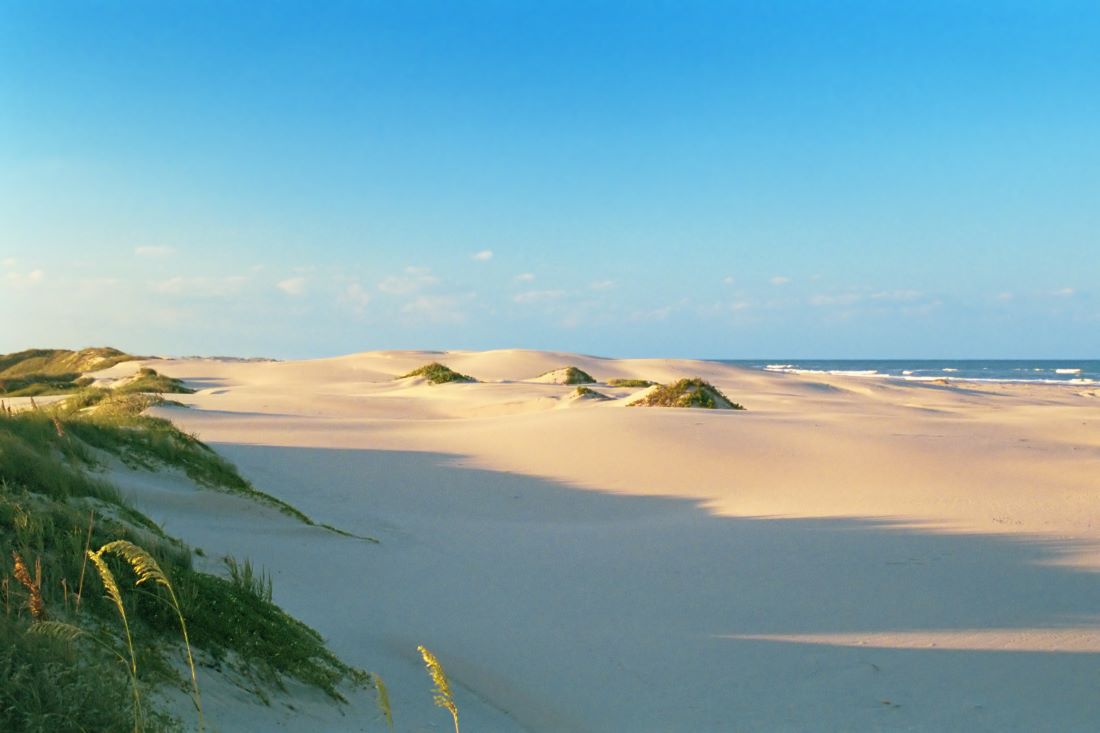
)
(847, 554)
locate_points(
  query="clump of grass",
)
(437, 373)
(115, 595)
(51, 683)
(147, 569)
(688, 393)
(589, 393)
(149, 380)
(242, 575)
(570, 375)
(630, 383)
(442, 697)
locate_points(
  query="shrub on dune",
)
(630, 383)
(567, 375)
(688, 393)
(437, 373)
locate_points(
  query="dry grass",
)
(443, 696)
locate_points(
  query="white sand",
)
(848, 554)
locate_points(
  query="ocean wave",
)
(1067, 371)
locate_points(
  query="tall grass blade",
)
(443, 696)
(383, 700)
(108, 579)
(147, 569)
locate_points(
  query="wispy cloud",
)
(9, 262)
(525, 277)
(292, 285)
(538, 296)
(155, 250)
(728, 280)
(898, 296)
(825, 300)
(413, 280)
(202, 286)
(437, 308)
(356, 296)
(24, 279)
(1064, 293)
(483, 256)
(779, 280)
(601, 285)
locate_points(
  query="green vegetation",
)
(38, 372)
(149, 381)
(630, 383)
(572, 375)
(61, 639)
(589, 393)
(60, 361)
(437, 373)
(688, 393)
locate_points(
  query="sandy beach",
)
(846, 554)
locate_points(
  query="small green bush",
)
(688, 393)
(437, 373)
(572, 375)
(630, 383)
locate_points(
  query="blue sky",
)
(829, 179)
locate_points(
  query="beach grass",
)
(53, 510)
(692, 392)
(630, 383)
(571, 375)
(437, 373)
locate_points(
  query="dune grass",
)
(39, 372)
(53, 512)
(60, 361)
(571, 375)
(589, 393)
(437, 373)
(630, 383)
(443, 697)
(692, 392)
(151, 381)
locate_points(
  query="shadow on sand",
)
(583, 610)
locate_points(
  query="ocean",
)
(1070, 371)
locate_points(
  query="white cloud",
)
(202, 286)
(898, 296)
(9, 262)
(819, 301)
(525, 277)
(1064, 293)
(357, 297)
(483, 256)
(728, 280)
(437, 308)
(157, 250)
(538, 296)
(292, 285)
(414, 280)
(780, 280)
(21, 279)
(602, 285)
(1005, 296)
